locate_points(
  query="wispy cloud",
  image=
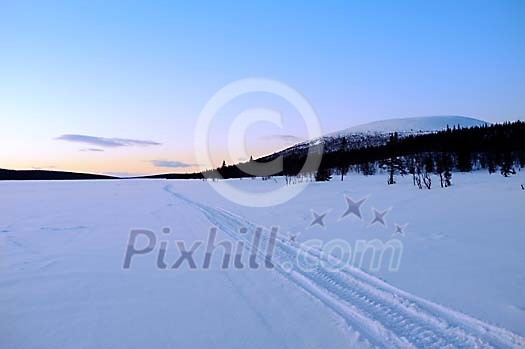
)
(92, 149)
(106, 142)
(171, 164)
(283, 138)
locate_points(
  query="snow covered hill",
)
(412, 125)
(377, 133)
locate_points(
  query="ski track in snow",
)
(384, 315)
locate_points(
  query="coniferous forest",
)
(492, 148)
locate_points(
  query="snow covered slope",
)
(377, 133)
(412, 125)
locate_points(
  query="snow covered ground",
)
(62, 285)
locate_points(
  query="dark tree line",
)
(492, 147)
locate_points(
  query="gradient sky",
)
(137, 70)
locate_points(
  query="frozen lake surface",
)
(461, 279)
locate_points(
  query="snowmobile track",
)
(384, 315)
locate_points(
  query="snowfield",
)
(412, 125)
(460, 284)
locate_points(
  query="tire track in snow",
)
(383, 314)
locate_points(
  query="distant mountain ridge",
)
(38, 175)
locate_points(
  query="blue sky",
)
(137, 70)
